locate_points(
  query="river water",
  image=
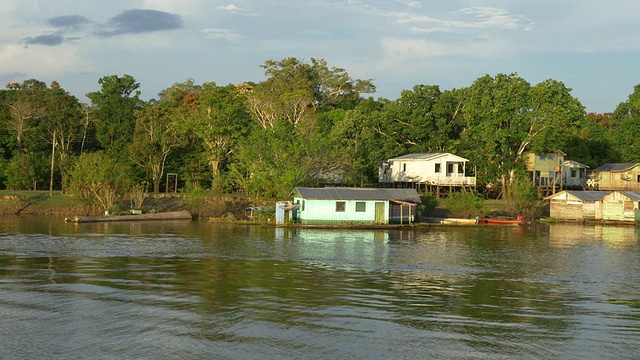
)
(198, 290)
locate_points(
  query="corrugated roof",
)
(424, 156)
(615, 167)
(572, 162)
(584, 195)
(633, 195)
(345, 193)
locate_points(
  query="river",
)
(198, 290)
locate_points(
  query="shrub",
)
(465, 205)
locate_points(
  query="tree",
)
(218, 117)
(25, 106)
(154, 138)
(294, 91)
(504, 118)
(98, 180)
(62, 126)
(625, 127)
(114, 105)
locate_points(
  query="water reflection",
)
(194, 290)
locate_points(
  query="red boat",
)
(491, 221)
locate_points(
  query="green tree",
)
(114, 110)
(25, 107)
(154, 138)
(505, 118)
(625, 127)
(98, 180)
(218, 118)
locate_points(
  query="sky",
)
(592, 46)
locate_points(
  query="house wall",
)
(566, 210)
(618, 207)
(544, 168)
(324, 212)
(616, 180)
(574, 175)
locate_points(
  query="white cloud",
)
(222, 34)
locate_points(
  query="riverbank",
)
(35, 202)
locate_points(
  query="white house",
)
(574, 174)
(443, 169)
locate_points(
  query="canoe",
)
(172, 215)
(491, 221)
(458, 221)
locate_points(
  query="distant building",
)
(577, 205)
(616, 176)
(574, 174)
(544, 169)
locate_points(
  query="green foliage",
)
(115, 105)
(99, 180)
(20, 174)
(522, 198)
(465, 205)
(429, 203)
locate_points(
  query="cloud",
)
(48, 40)
(482, 18)
(222, 34)
(138, 21)
(69, 22)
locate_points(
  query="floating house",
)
(351, 206)
(621, 206)
(616, 176)
(577, 205)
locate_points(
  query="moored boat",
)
(520, 220)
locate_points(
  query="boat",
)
(171, 215)
(520, 220)
(458, 221)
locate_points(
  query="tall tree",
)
(625, 127)
(154, 138)
(114, 106)
(218, 117)
(25, 107)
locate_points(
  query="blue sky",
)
(592, 46)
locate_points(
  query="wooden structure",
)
(428, 171)
(621, 206)
(574, 175)
(577, 205)
(616, 176)
(545, 170)
(351, 206)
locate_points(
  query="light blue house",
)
(350, 206)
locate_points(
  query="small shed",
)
(577, 205)
(621, 206)
(350, 206)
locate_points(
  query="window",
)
(341, 206)
(460, 168)
(573, 173)
(437, 168)
(404, 167)
(361, 206)
(302, 205)
(543, 157)
(449, 168)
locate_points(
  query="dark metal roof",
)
(345, 193)
(615, 167)
(595, 195)
(633, 195)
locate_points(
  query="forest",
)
(306, 124)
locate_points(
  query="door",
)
(379, 213)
